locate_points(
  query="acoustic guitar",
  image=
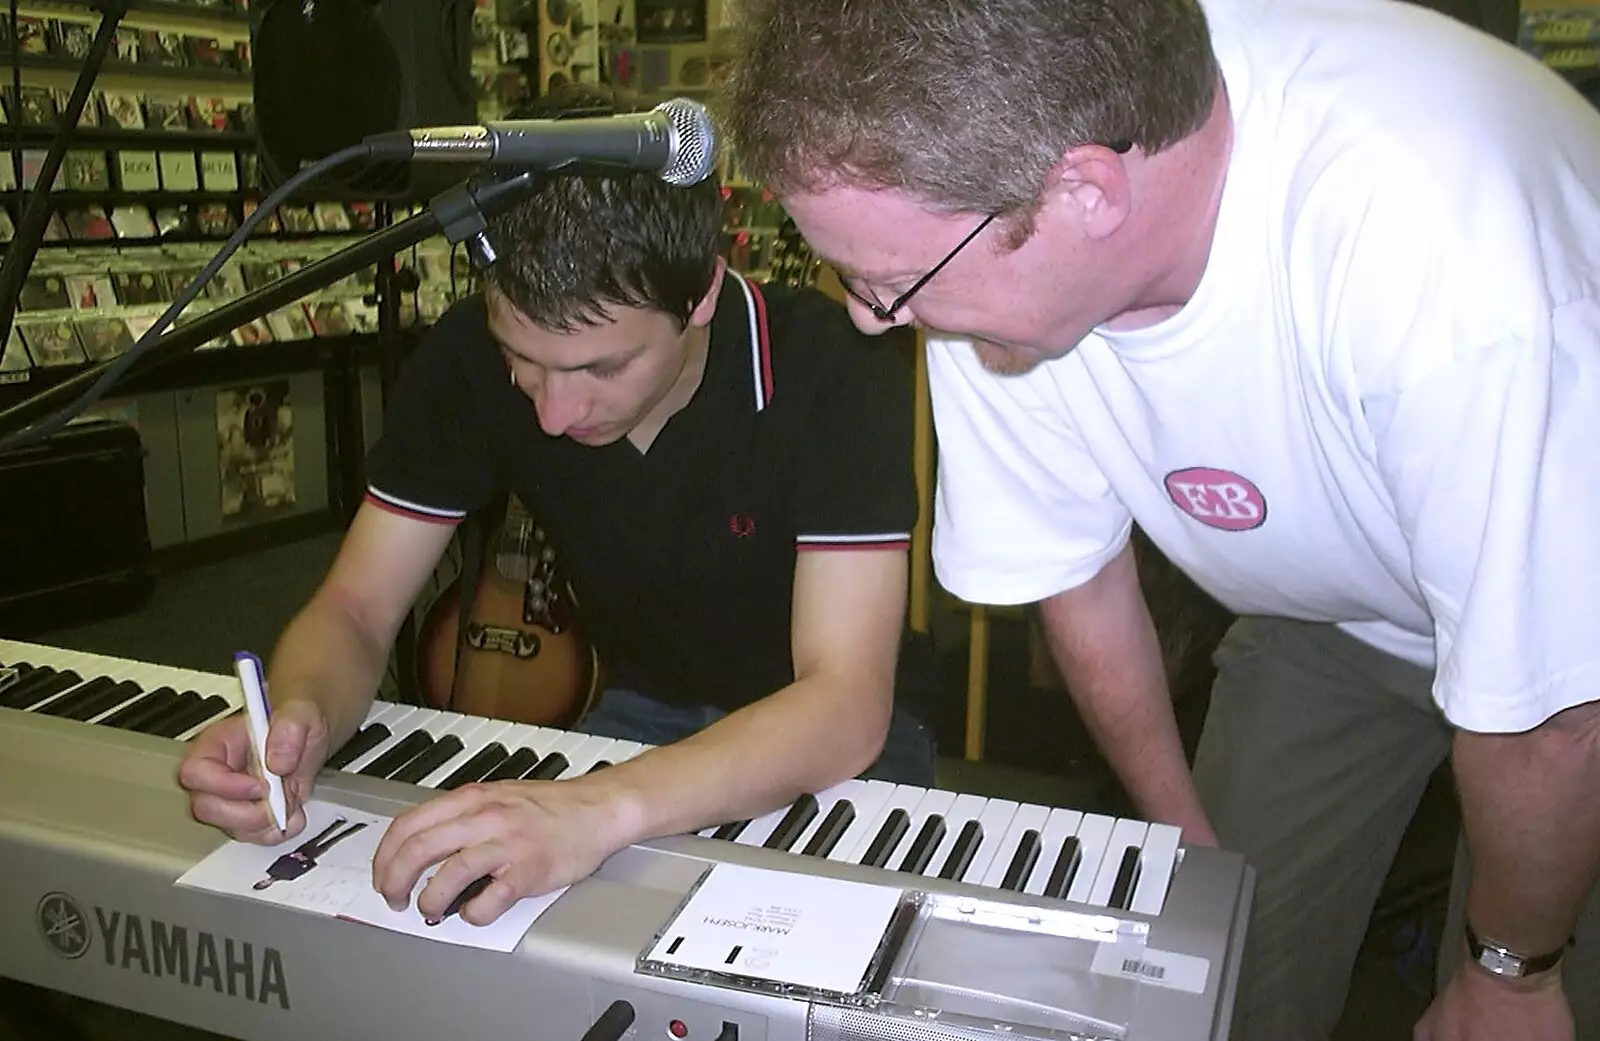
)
(524, 657)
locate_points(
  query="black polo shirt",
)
(798, 439)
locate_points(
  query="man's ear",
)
(1090, 187)
(707, 307)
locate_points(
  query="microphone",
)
(674, 139)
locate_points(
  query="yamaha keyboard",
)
(94, 831)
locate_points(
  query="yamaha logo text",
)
(165, 950)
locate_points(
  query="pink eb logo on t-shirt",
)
(1217, 498)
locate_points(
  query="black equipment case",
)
(74, 539)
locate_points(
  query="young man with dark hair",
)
(1310, 291)
(725, 469)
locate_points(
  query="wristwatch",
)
(1503, 961)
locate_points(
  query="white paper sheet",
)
(338, 881)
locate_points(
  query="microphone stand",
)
(460, 213)
(36, 215)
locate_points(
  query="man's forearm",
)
(802, 739)
(1533, 828)
(1106, 647)
(324, 656)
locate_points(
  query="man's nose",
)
(559, 406)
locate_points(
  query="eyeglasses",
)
(886, 314)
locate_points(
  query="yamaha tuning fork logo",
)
(63, 925)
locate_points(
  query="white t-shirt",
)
(1381, 408)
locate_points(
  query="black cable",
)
(16, 99)
(114, 372)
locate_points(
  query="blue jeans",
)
(627, 715)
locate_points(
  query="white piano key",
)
(119, 672)
(401, 723)
(826, 802)
(935, 803)
(1028, 817)
(44, 703)
(759, 830)
(1093, 834)
(200, 727)
(524, 735)
(995, 820)
(868, 803)
(559, 742)
(386, 714)
(903, 797)
(1061, 825)
(474, 738)
(458, 726)
(1124, 833)
(962, 809)
(149, 680)
(622, 751)
(1155, 871)
(584, 755)
(378, 711)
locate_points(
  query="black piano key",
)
(1022, 861)
(442, 751)
(105, 701)
(66, 703)
(730, 830)
(961, 854)
(928, 838)
(894, 829)
(360, 743)
(174, 709)
(514, 766)
(1066, 866)
(28, 694)
(14, 672)
(402, 752)
(552, 766)
(12, 695)
(831, 830)
(202, 711)
(148, 707)
(485, 759)
(794, 823)
(599, 764)
(1127, 878)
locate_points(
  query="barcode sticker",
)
(1148, 965)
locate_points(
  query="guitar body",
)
(524, 658)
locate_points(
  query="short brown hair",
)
(963, 103)
(592, 238)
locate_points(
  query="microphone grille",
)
(693, 142)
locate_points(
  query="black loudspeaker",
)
(331, 72)
(75, 538)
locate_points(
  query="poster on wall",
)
(670, 21)
(255, 450)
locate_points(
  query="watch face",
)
(1500, 963)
